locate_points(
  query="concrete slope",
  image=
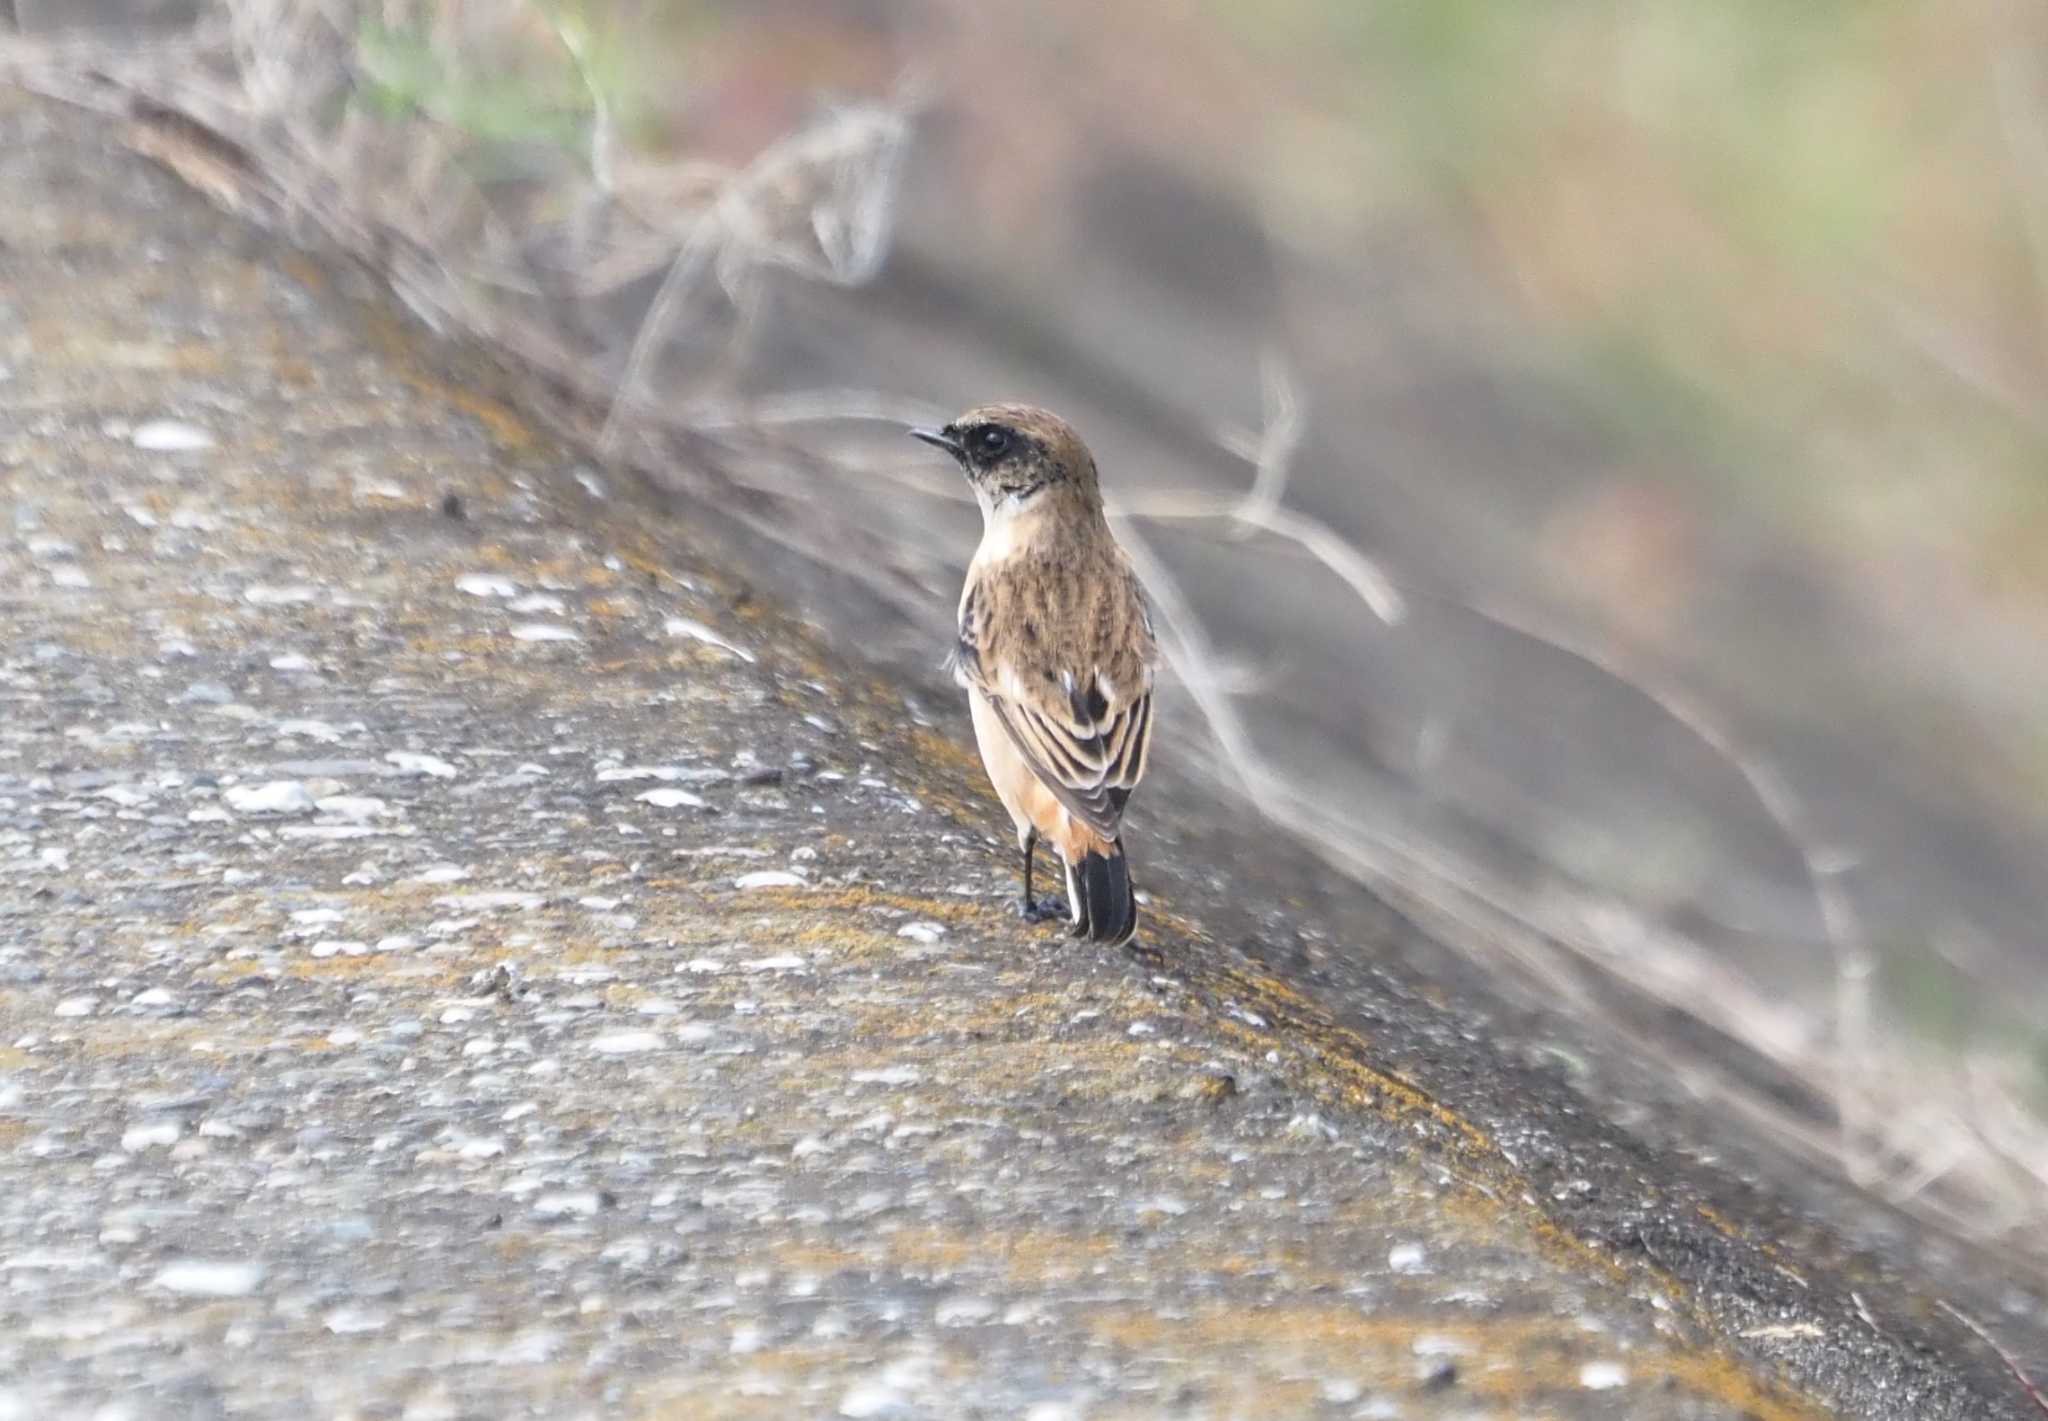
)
(463, 955)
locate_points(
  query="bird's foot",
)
(1044, 910)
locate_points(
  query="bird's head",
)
(1012, 454)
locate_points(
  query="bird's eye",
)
(992, 442)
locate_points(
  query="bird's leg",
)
(1028, 907)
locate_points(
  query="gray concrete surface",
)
(463, 954)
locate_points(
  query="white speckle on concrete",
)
(482, 584)
(778, 962)
(170, 436)
(367, 488)
(1307, 1125)
(670, 798)
(265, 595)
(888, 1075)
(922, 931)
(566, 1204)
(626, 1043)
(318, 730)
(77, 1006)
(491, 902)
(1603, 1376)
(351, 806)
(1165, 1204)
(204, 1278)
(1407, 1258)
(291, 661)
(545, 631)
(153, 1134)
(697, 631)
(688, 774)
(963, 1311)
(346, 1320)
(411, 763)
(69, 576)
(1437, 1344)
(329, 831)
(868, 1399)
(534, 603)
(275, 797)
(769, 878)
(888, 1392)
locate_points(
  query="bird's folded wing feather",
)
(1075, 699)
(1089, 762)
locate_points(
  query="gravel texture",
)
(463, 955)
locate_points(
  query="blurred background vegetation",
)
(1680, 364)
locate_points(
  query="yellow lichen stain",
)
(645, 563)
(783, 1376)
(59, 341)
(1338, 1056)
(234, 968)
(504, 427)
(111, 1041)
(820, 1258)
(935, 751)
(965, 1072)
(304, 270)
(862, 896)
(398, 967)
(1720, 1222)
(1001, 1018)
(1028, 1256)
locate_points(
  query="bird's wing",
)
(1084, 736)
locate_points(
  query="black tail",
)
(1099, 891)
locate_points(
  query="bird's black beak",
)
(940, 439)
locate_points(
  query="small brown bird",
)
(1056, 652)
